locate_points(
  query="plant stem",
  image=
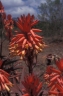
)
(30, 68)
(1, 35)
(30, 59)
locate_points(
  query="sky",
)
(20, 7)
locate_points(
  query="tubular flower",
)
(32, 86)
(4, 82)
(8, 24)
(55, 81)
(27, 38)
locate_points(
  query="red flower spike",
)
(28, 38)
(8, 24)
(55, 81)
(2, 12)
(32, 85)
(4, 81)
(1, 8)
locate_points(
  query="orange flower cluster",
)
(55, 81)
(27, 38)
(4, 82)
(32, 86)
(8, 24)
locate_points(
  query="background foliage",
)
(51, 18)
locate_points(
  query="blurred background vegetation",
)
(51, 18)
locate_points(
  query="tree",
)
(52, 11)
